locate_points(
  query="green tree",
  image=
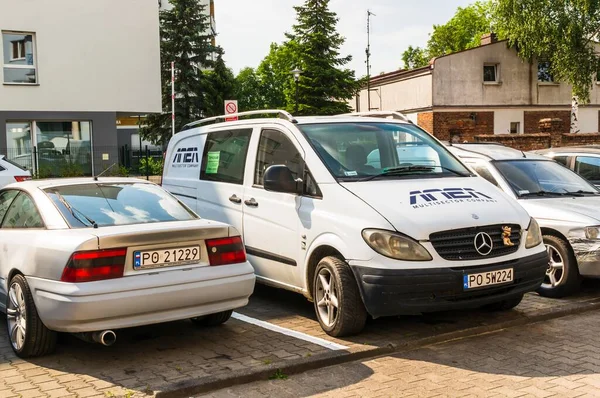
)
(325, 86)
(274, 74)
(185, 41)
(562, 33)
(249, 90)
(461, 32)
(415, 57)
(221, 87)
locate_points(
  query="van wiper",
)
(74, 211)
(402, 170)
(581, 192)
(540, 193)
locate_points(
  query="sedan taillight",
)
(225, 251)
(22, 178)
(89, 266)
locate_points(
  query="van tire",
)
(213, 319)
(39, 340)
(505, 305)
(350, 316)
(570, 282)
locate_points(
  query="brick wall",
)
(425, 121)
(531, 142)
(524, 142)
(532, 121)
(580, 139)
(462, 126)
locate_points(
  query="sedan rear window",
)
(102, 204)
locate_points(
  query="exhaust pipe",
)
(105, 337)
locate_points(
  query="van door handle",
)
(252, 202)
(233, 198)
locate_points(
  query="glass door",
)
(19, 145)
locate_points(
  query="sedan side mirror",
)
(279, 178)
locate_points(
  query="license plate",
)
(491, 278)
(166, 257)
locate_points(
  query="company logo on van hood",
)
(445, 196)
(186, 157)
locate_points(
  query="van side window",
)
(224, 156)
(275, 148)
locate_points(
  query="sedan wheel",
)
(556, 268)
(16, 315)
(562, 275)
(29, 337)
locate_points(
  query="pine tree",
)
(221, 87)
(186, 40)
(325, 85)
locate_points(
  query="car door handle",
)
(252, 202)
(233, 198)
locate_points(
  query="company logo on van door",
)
(438, 197)
(186, 157)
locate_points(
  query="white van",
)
(358, 237)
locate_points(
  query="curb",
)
(192, 387)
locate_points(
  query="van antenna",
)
(108, 168)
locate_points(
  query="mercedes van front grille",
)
(474, 243)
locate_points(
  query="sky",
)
(246, 28)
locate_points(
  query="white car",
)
(384, 239)
(11, 172)
(88, 256)
(565, 205)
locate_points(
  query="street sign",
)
(231, 107)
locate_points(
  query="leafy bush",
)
(71, 170)
(151, 166)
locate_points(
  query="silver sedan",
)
(88, 256)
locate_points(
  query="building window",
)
(19, 58)
(51, 149)
(515, 127)
(544, 74)
(490, 73)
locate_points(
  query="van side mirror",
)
(279, 178)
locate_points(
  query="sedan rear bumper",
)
(142, 299)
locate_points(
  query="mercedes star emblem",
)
(483, 243)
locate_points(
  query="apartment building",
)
(70, 69)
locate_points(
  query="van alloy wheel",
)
(556, 268)
(16, 315)
(327, 297)
(338, 304)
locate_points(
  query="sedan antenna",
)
(100, 175)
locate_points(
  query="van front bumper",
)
(391, 292)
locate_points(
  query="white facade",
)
(90, 55)
(456, 83)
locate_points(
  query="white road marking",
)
(289, 332)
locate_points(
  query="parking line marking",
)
(289, 332)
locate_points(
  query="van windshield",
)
(365, 151)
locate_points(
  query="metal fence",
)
(71, 161)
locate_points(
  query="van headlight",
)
(395, 246)
(534, 234)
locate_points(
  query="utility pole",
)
(369, 13)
